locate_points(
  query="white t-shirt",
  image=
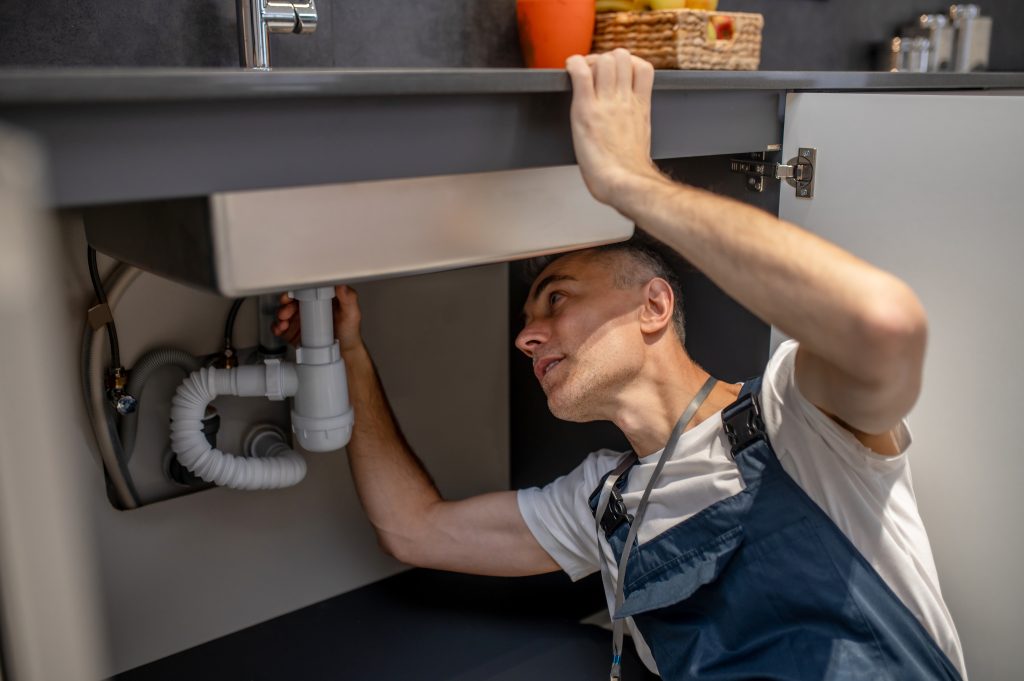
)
(869, 497)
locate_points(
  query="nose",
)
(532, 336)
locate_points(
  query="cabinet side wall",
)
(181, 572)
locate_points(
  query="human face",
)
(583, 335)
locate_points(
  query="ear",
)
(658, 305)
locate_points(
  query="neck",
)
(648, 409)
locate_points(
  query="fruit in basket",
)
(709, 5)
(621, 5)
(723, 26)
(668, 4)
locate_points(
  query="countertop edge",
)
(29, 87)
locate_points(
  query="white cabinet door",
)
(931, 188)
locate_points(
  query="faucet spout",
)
(305, 17)
(257, 19)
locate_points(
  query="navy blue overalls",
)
(763, 585)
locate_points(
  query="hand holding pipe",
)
(321, 415)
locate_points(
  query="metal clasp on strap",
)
(615, 514)
(743, 423)
(606, 502)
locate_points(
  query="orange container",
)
(551, 31)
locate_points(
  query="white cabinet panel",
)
(50, 611)
(930, 187)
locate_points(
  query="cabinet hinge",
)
(799, 172)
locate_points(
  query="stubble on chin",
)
(586, 395)
(575, 399)
(567, 410)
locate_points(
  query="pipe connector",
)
(265, 440)
(322, 417)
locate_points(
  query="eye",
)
(554, 298)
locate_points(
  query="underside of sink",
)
(250, 242)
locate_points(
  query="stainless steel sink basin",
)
(249, 242)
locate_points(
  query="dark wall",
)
(844, 35)
(202, 33)
(799, 34)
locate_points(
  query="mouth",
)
(542, 367)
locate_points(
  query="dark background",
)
(799, 34)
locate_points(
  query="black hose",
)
(122, 464)
(101, 296)
(229, 325)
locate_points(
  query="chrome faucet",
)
(257, 19)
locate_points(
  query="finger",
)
(604, 75)
(287, 311)
(348, 297)
(623, 70)
(643, 79)
(581, 76)
(287, 331)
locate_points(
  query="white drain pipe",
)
(321, 415)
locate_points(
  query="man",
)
(786, 544)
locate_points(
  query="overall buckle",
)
(743, 423)
(615, 514)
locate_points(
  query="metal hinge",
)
(799, 172)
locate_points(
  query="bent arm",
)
(862, 331)
(484, 535)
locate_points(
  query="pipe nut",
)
(126, 404)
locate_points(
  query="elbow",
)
(892, 343)
(894, 333)
(407, 542)
(388, 545)
(396, 546)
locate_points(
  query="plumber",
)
(762, 530)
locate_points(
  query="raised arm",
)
(861, 330)
(485, 534)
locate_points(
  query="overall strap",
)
(610, 523)
(742, 420)
(677, 432)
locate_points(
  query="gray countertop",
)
(56, 86)
(120, 135)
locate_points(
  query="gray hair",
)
(649, 258)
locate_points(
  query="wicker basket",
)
(677, 39)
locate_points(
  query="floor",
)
(421, 625)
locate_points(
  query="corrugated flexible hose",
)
(284, 469)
